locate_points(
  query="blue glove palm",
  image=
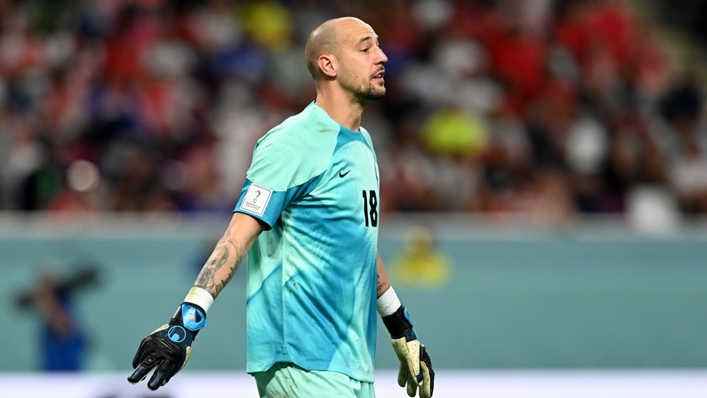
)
(167, 349)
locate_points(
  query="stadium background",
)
(544, 158)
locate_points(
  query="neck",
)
(340, 106)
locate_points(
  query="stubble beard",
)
(370, 93)
(363, 92)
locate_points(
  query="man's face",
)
(362, 64)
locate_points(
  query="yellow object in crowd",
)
(419, 264)
(454, 132)
(269, 23)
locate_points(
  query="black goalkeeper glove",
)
(415, 363)
(168, 348)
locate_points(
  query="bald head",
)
(327, 38)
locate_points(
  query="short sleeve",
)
(285, 168)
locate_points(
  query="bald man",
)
(308, 218)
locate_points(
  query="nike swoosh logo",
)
(344, 175)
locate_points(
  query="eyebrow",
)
(360, 41)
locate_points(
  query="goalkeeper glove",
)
(168, 348)
(415, 363)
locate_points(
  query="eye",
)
(365, 50)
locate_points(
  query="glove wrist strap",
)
(388, 302)
(398, 323)
(200, 297)
(189, 315)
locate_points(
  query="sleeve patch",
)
(256, 199)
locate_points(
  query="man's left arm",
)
(415, 363)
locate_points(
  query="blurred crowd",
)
(553, 109)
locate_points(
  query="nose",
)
(382, 58)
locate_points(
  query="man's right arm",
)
(167, 349)
(228, 254)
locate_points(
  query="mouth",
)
(379, 76)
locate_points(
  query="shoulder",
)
(302, 134)
(297, 150)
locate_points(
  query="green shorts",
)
(285, 380)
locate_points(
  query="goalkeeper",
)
(308, 215)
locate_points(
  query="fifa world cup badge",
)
(256, 199)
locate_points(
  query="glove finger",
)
(139, 374)
(428, 373)
(157, 380)
(167, 365)
(403, 374)
(144, 367)
(412, 387)
(412, 360)
(137, 358)
(142, 353)
(413, 379)
(427, 386)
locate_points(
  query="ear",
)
(327, 64)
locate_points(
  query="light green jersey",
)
(312, 274)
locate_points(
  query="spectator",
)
(62, 339)
(494, 106)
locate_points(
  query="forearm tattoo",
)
(220, 267)
(381, 286)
